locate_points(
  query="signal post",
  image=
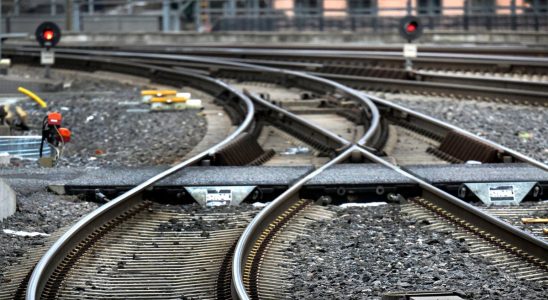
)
(48, 34)
(410, 29)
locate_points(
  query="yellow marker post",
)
(158, 93)
(33, 96)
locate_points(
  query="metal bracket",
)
(501, 193)
(219, 195)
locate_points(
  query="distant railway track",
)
(498, 78)
(356, 60)
(240, 148)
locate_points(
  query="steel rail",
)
(263, 218)
(499, 229)
(532, 50)
(438, 126)
(355, 57)
(506, 83)
(321, 135)
(496, 89)
(365, 97)
(524, 50)
(47, 264)
(293, 189)
(511, 234)
(446, 126)
(499, 89)
(372, 133)
(526, 96)
(336, 55)
(373, 78)
(377, 101)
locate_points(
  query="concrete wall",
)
(121, 23)
(7, 200)
(28, 24)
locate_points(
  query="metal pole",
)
(409, 7)
(68, 14)
(465, 14)
(16, 7)
(177, 17)
(535, 12)
(165, 15)
(256, 7)
(76, 16)
(53, 7)
(513, 14)
(130, 7)
(231, 7)
(91, 7)
(197, 13)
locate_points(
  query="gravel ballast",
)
(111, 127)
(37, 212)
(518, 127)
(365, 252)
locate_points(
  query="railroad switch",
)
(55, 135)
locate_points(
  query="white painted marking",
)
(24, 233)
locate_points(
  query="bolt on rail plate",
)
(219, 195)
(501, 193)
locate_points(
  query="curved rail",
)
(370, 136)
(534, 246)
(447, 126)
(455, 59)
(84, 226)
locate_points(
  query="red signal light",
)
(65, 134)
(411, 27)
(48, 34)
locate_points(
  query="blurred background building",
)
(273, 15)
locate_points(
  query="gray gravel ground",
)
(222, 217)
(37, 211)
(105, 133)
(519, 127)
(110, 126)
(365, 252)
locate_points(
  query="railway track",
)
(256, 253)
(91, 244)
(488, 78)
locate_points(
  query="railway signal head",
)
(410, 28)
(48, 34)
